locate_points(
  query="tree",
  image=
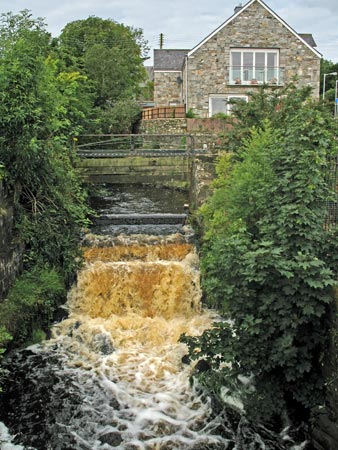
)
(109, 53)
(35, 110)
(326, 67)
(39, 109)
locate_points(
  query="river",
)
(112, 374)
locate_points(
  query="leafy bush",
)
(120, 117)
(266, 261)
(33, 299)
(190, 114)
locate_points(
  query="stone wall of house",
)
(168, 88)
(10, 253)
(208, 67)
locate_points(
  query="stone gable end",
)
(207, 72)
(255, 27)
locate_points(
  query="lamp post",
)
(335, 100)
(325, 75)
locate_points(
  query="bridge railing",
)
(110, 145)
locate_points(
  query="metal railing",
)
(253, 75)
(331, 219)
(110, 146)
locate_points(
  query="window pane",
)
(272, 76)
(235, 75)
(236, 58)
(272, 60)
(248, 59)
(247, 66)
(260, 60)
(218, 105)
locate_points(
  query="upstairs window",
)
(248, 66)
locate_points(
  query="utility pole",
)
(161, 40)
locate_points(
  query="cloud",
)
(185, 24)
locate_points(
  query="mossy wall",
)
(10, 251)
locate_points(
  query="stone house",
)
(254, 46)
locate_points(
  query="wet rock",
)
(325, 433)
(202, 366)
(113, 439)
(185, 359)
(74, 326)
(257, 437)
(103, 344)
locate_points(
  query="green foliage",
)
(38, 110)
(326, 67)
(109, 53)
(147, 91)
(220, 115)
(120, 117)
(236, 182)
(33, 298)
(268, 263)
(190, 114)
(265, 103)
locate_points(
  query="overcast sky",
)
(184, 23)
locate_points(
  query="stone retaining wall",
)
(163, 126)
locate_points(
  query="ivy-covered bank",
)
(49, 206)
(269, 260)
(52, 89)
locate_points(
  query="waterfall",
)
(112, 375)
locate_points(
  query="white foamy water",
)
(135, 312)
(112, 375)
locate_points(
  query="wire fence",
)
(331, 218)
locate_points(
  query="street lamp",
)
(325, 75)
(336, 101)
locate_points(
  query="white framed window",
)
(254, 66)
(223, 103)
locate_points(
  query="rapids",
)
(112, 375)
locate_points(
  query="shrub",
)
(266, 261)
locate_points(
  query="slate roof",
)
(308, 38)
(169, 59)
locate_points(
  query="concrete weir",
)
(136, 169)
(140, 219)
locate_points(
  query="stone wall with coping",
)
(163, 126)
(205, 132)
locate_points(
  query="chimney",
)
(238, 8)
